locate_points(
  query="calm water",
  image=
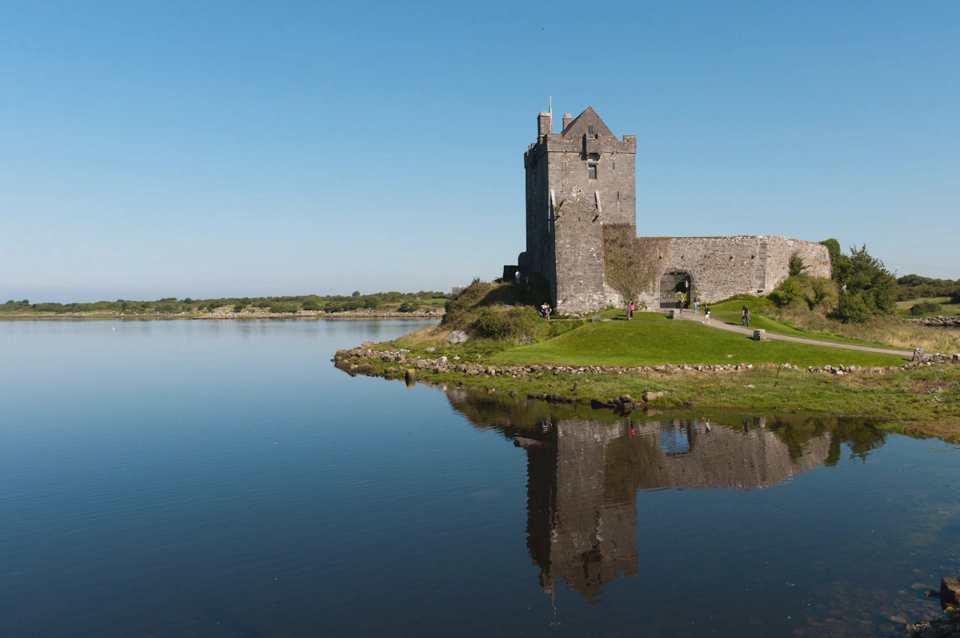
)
(200, 478)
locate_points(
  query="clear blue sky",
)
(217, 148)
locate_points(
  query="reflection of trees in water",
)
(585, 467)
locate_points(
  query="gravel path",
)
(689, 315)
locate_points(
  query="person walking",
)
(706, 314)
(630, 311)
(747, 317)
(743, 315)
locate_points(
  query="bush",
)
(409, 306)
(797, 267)
(239, 307)
(313, 304)
(372, 303)
(926, 308)
(279, 306)
(515, 323)
(851, 308)
(820, 293)
(786, 293)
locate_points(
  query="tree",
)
(630, 264)
(356, 293)
(869, 287)
(797, 267)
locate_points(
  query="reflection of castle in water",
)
(584, 474)
(582, 490)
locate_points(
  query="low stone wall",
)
(356, 361)
(946, 322)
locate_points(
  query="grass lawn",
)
(652, 339)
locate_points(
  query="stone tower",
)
(577, 180)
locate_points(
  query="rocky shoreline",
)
(362, 359)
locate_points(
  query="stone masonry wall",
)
(721, 267)
(579, 256)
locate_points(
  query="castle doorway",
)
(675, 289)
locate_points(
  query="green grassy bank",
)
(652, 339)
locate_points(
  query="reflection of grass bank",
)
(910, 398)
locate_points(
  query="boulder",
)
(524, 442)
(950, 592)
(457, 336)
(651, 396)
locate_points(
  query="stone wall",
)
(721, 267)
(577, 286)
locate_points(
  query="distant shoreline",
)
(357, 315)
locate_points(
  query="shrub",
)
(786, 293)
(371, 302)
(313, 304)
(851, 308)
(285, 307)
(239, 307)
(409, 306)
(515, 323)
(332, 306)
(926, 308)
(797, 267)
(820, 293)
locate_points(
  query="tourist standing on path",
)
(744, 313)
(748, 317)
(630, 311)
(706, 314)
(696, 305)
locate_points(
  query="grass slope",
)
(652, 339)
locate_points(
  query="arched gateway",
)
(674, 286)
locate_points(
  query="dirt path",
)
(689, 315)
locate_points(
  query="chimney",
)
(544, 123)
(567, 118)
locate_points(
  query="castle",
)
(583, 178)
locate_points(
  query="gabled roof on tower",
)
(582, 123)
